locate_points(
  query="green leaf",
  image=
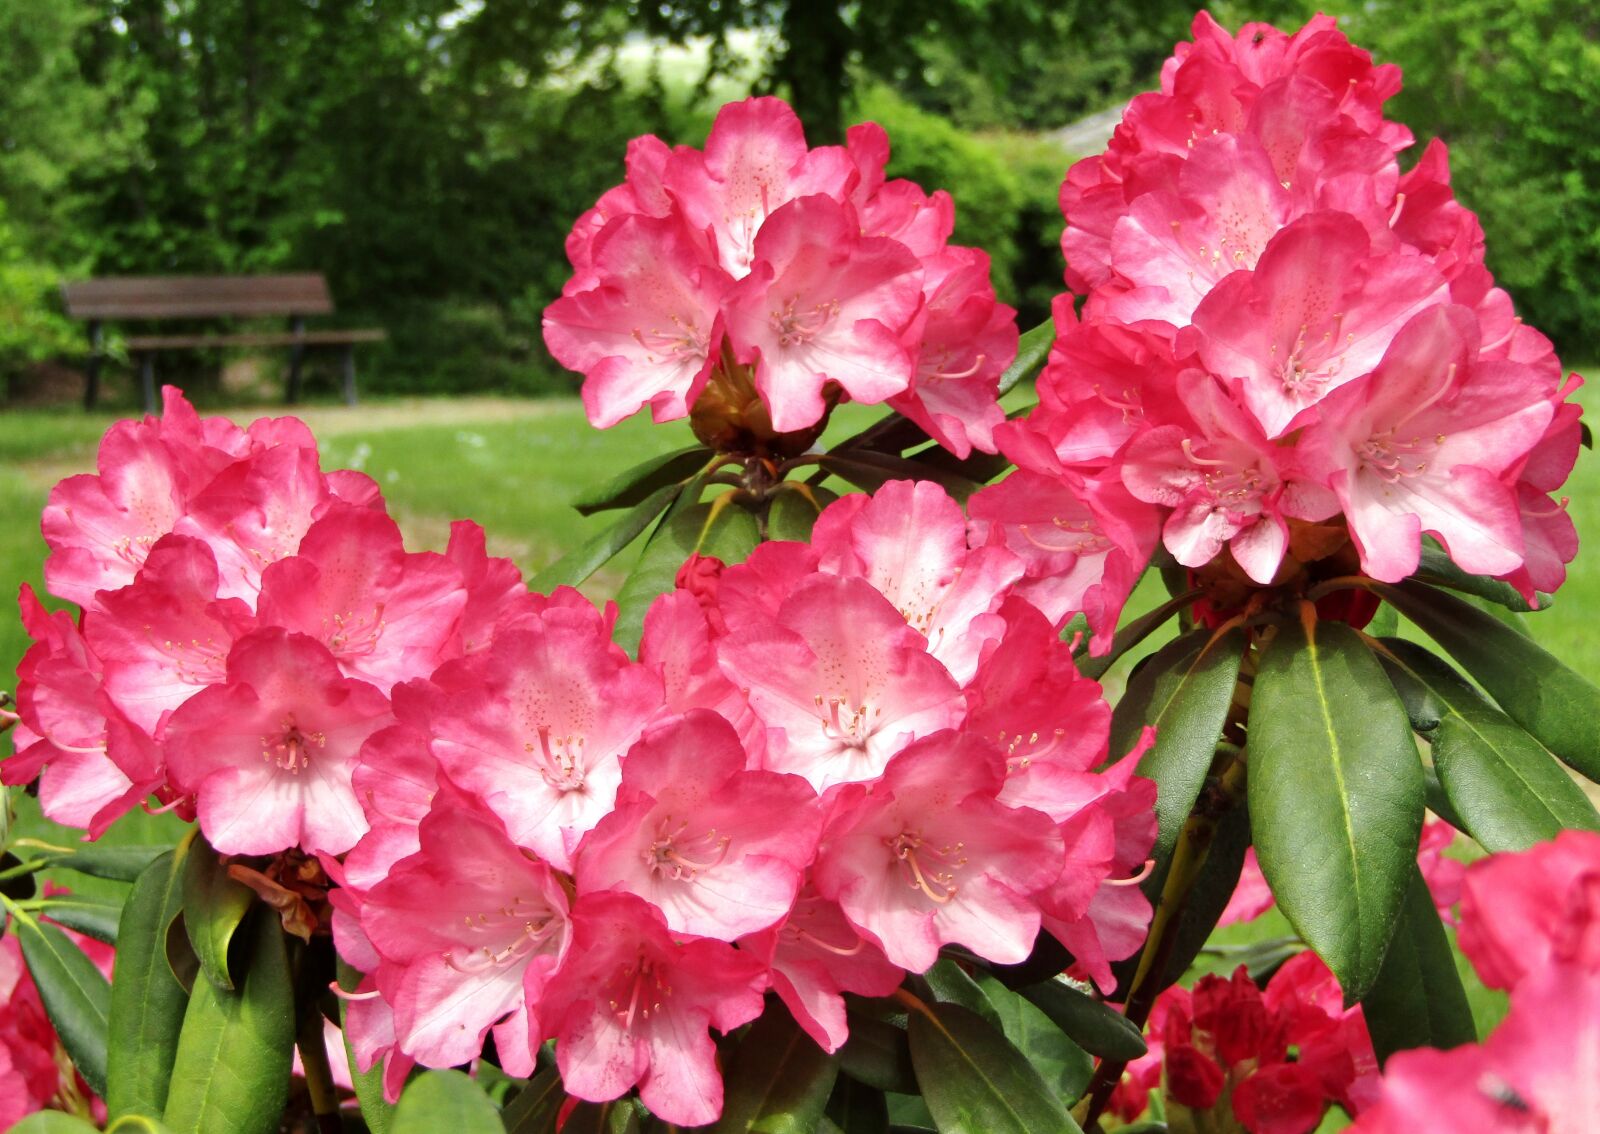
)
(975, 1082)
(1184, 691)
(791, 515)
(76, 997)
(1417, 1000)
(231, 1074)
(578, 564)
(120, 864)
(634, 486)
(1093, 1026)
(92, 917)
(147, 1002)
(1064, 1066)
(1335, 795)
(855, 1108)
(536, 1106)
(778, 1080)
(52, 1122)
(878, 1054)
(445, 1102)
(1132, 634)
(619, 1116)
(213, 906)
(1210, 893)
(137, 1124)
(951, 984)
(728, 533)
(376, 1111)
(871, 471)
(1559, 707)
(1502, 783)
(1033, 350)
(1438, 569)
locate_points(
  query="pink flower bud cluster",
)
(1266, 1061)
(1281, 327)
(35, 1073)
(825, 764)
(244, 618)
(1530, 924)
(803, 267)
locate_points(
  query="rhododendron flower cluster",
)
(755, 283)
(826, 763)
(1266, 1061)
(1530, 924)
(244, 618)
(35, 1073)
(1284, 337)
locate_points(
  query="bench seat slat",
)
(196, 297)
(262, 339)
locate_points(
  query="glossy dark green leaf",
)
(536, 1106)
(1335, 795)
(951, 984)
(778, 1080)
(871, 471)
(855, 1108)
(878, 1054)
(1131, 635)
(975, 1081)
(792, 513)
(147, 1002)
(619, 1116)
(728, 533)
(1508, 790)
(376, 1111)
(1092, 1025)
(583, 561)
(1560, 708)
(76, 997)
(1065, 1067)
(633, 486)
(1210, 894)
(1417, 1000)
(92, 917)
(231, 1073)
(213, 907)
(1033, 350)
(119, 864)
(445, 1102)
(1184, 691)
(1438, 569)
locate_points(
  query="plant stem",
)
(319, 1076)
(1188, 858)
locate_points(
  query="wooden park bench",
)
(149, 298)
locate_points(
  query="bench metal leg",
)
(147, 380)
(91, 373)
(297, 353)
(350, 374)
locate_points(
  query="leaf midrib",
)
(1336, 759)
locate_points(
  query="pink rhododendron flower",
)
(931, 857)
(632, 1006)
(719, 850)
(467, 930)
(1279, 330)
(841, 681)
(760, 281)
(269, 754)
(815, 956)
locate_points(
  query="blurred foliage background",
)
(430, 155)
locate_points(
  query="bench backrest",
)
(196, 297)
